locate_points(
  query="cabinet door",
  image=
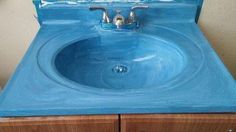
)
(103, 123)
(179, 123)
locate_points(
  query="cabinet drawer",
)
(179, 123)
(103, 123)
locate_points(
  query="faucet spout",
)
(118, 20)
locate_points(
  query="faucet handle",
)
(132, 15)
(105, 17)
(139, 7)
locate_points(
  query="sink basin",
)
(120, 61)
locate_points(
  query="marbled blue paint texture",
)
(75, 67)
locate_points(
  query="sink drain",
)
(119, 69)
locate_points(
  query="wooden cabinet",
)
(179, 123)
(123, 123)
(105, 123)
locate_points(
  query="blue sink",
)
(75, 67)
(121, 60)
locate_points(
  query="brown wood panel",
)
(179, 123)
(101, 123)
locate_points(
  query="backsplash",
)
(123, 1)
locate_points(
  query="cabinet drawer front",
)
(103, 123)
(179, 123)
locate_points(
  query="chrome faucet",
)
(132, 16)
(105, 17)
(119, 21)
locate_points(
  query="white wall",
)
(218, 22)
(18, 28)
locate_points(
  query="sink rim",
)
(62, 80)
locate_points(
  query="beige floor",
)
(18, 27)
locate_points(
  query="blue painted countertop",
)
(36, 90)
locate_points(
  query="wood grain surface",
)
(103, 123)
(126, 123)
(179, 123)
